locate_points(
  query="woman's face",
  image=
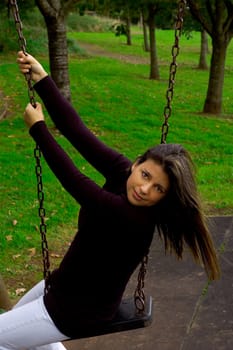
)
(147, 183)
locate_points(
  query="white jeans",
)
(28, 325)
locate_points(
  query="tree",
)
(123, 10)
(127, 19)
(158, 14)
(154, 67)
(144, 27)
(55, 12)
(155, 13)
(216, 17)
(191, 24)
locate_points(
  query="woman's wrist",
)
(40, 76)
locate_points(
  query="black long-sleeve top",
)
(113, 235)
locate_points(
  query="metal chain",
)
(22, 45)
(41, 212)
(37, 153)
(173, 68)
(139, 295)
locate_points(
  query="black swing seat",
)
(127, 318)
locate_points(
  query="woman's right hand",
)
(28, 64)
(33, 115)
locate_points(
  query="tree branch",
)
(229, 23)
(47, 7)
(210, 11)
(195, 11)
(229, 6)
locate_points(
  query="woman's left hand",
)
(33, 115)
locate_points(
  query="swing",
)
(134, 312)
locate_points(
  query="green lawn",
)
(125, 108)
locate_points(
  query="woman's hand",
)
(33, 115)
(28, 64)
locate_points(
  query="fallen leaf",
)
(32, 251)
(53, 255)
(20, 291)
(9, 238)
(16, 256)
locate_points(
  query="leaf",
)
(9, 238)
(16, 256)
(53, 255)
(32, 251)
(20, 291)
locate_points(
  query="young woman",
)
(115, 227)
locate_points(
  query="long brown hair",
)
(180, 215)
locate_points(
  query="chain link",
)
(22, 44)
(37, 153)
(173, 67)
(139, 294)
(41, 212)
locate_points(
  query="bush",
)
(74, 48)
(86, 23)
(8, 39)
(34, 31)
(119, 29)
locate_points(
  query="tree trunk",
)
(213, 102)
(145, 36)
(154, 68)
(219, 25)
(128, 30)
(5, 302)
(54, 15)
(204, 50)
(58, 53)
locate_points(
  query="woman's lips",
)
(137, 196)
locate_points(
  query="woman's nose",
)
(145, 188)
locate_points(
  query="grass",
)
(125, 109)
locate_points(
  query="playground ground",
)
(188, 314)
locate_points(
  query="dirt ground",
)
(95, 50)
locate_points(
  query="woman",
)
(115, 227)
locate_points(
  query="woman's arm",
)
(72, 127)
(77, 184)
(68, 121)
(59, 162)
(83, 189)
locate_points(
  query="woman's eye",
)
(159, 189)
(144, 174)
